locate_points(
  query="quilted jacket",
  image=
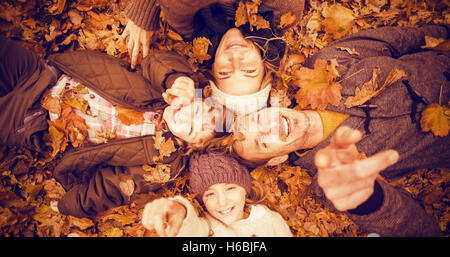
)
(92, 173)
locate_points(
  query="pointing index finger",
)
(345, 136)
(376, 163)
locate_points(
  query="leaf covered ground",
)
(27, 186)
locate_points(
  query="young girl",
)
(241, 77)
(225, 188)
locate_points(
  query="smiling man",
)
(330, 144)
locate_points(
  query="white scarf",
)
(242, 104)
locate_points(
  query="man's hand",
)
(346, 180)
(165, 216)
(138, 38)
(182, 87)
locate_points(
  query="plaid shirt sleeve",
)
(103, 115)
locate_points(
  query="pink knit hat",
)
(208, 169)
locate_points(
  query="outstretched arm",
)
(346, 180)
(350, 184)
(174, 216)
(143, 21)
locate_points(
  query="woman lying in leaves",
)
(112, 117)
(245, 47)
(231, 199)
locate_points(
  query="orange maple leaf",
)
(437, 119)
(318, 87)
(287, 19)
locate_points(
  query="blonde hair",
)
(257, 193)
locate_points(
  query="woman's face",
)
(238, 66)
(225, 202)
(193, 122)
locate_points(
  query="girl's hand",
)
(138, 37)
(346, 180)
(165, 216)
(182, 87)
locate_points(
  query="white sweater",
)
(262, 222)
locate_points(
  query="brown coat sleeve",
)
(92, 175)
(144, 13)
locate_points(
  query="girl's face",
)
(192, 123)
(225, 202)
(238, 66)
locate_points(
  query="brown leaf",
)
(370, 88)
(105, 135)
(241, 15)
(129, 117)
(160, 173)
(99, 21)
(76, 126)
(248, 12)
(440, 44)
(57, 8)
(81, 223)
(200, 49)
(53, 189)
(75, 17)
(51, 103)
(87, 5)
(58, 136)
(338, 20)
(126, 185)
(317, 86)
(165, 147)
(72, 98)
(287, 19)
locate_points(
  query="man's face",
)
(271, 132)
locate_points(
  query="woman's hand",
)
(346, 179)
(138, 37)
(183, 88)
(165, 216)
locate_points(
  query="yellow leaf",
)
(436, 118)
(350, 51)
(129, 117)
(71, 97)
(338, 20)
(369, 89)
